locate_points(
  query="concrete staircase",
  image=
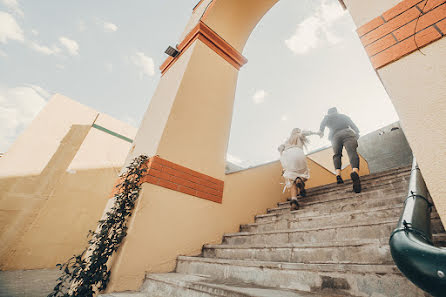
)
(336, 244)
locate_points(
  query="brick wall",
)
(175, 177)
(402, 29)
(178, 178)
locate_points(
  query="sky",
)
(304, 57)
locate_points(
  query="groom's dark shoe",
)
(356, 182)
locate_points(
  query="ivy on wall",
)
(86, 274)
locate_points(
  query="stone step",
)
(439, 239)
(437, 225)
(124, 294)
(375, 193)
(372, 179)
(381, 189)
(340, 189)
(332, 207)
(354, 279)
(379, 229)
(307, 220)
(189, 285)
(351, 252)
(366, 181)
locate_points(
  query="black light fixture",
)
(172, 52)
(343, 4)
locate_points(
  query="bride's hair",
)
(297, 137)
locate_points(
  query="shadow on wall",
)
(44, 219)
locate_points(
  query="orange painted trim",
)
(178, 178)
(206, 35)
(401, 30)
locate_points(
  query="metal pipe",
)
(411, 242)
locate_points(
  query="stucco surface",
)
(44, 135)
(417, 87)
(196, 134)
(152, 126)
(99, 150)
(23, 197)
(195, 18)
(45, 217)
(167, 224)
(244, 16)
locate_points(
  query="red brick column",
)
(181, 179)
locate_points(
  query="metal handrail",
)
(411, 242)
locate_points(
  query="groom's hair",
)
(332, 110)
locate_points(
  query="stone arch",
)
(243, 15)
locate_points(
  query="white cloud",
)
(13, 5)
(145, 63)
(71, 45)
(331, 12)
(315, 30)
(110, 27)
(9, 29)
(18, 107)
(259, 96)
(39, 90)
(44, 49)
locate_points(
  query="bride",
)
(294, 163)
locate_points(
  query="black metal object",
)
(172, 52)
(411, 242)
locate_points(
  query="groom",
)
(343, 133)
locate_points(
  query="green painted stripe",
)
(112, 133)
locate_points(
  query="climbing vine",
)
(86, 274)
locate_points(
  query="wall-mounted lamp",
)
(342, 4)
(172, 52)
